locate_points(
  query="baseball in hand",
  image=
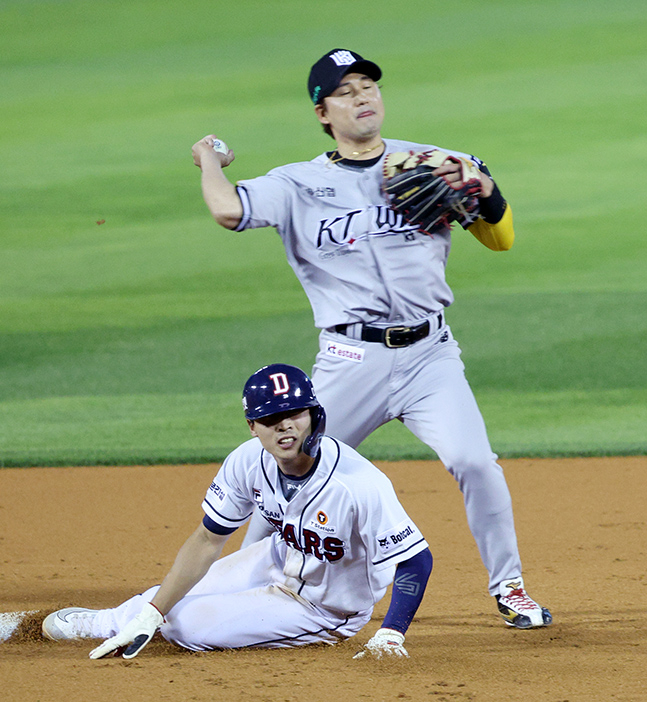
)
(220, 146)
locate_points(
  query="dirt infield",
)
(95, 536)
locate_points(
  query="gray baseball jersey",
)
(358, 260)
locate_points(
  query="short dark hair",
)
(326, 127)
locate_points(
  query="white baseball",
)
(220, 146)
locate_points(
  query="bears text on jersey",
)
(328, 548)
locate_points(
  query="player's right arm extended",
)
(191, 564)
(220, 196)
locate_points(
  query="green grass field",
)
(129, 341)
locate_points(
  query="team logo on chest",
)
(355, 225)
(321, 191)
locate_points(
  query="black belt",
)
(393, 337)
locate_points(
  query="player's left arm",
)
(409, 585)
(192, 562)
(493, 227)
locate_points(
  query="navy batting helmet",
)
(280, 388)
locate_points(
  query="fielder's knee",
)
(475, 472)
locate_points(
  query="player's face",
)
(355, 110)
(283, 434)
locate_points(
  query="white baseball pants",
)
(239, 603)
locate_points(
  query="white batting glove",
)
(138, 632)
(385, 642)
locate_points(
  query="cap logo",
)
(281, 384)
(343, 58)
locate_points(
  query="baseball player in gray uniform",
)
(378, 291)
(339, 538)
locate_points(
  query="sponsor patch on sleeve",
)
(217, 492)
(348, 353)
(399, 536)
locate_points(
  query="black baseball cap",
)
(327, 73)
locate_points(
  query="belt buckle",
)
(387, 337)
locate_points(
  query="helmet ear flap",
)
(318, 419)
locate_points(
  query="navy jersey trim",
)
(398, 553)
(265, 475)
(227, 519)
(247, 209)
(482, 167)
(216, 528)
(314, 497)
(334, 468)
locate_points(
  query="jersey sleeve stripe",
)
(216, 528)
(222, 516)
(336, 463)
(401, 553)
(247, 209)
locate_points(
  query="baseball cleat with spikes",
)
(518, 609)
(69, 624)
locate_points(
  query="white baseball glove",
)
(385, 642)
(138, 632)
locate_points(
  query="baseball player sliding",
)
(339, 536)
(367, 230)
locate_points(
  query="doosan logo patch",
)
(348, 353)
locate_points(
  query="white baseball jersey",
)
(357, 259)
(338, 540)
(331, 557)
